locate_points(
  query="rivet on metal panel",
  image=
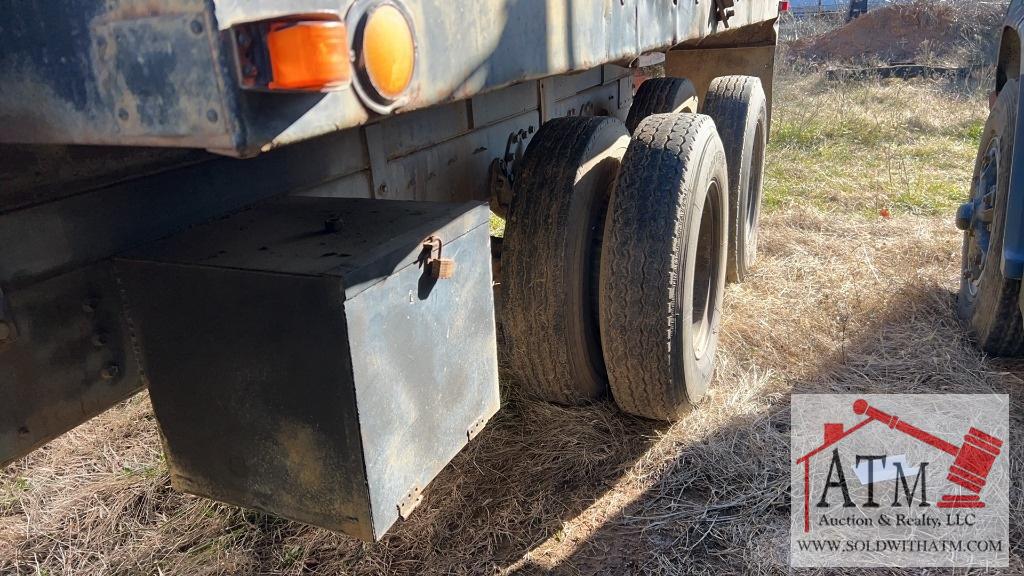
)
(409, 503)
(110, 371)
(475, 428)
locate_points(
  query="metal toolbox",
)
(304, 358)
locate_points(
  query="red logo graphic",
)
(972, 461)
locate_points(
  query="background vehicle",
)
(274, 215)
(993, 249)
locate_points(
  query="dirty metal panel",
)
(138, 72)
(407, 133)
(154, 73)
(361, 240)
(61, 235)
(247, 375)
(658, 18)
(749, 61)
(98, 72)
(602, 100)
(456, 170)
(33, 174)
(472, 48)
(65, 355)
(427, 370)
(352, 186)
(310, 369)
(501, 104)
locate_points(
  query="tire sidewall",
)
(692, 374)
(747, 239)
(591, 191)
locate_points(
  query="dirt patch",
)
(920, 31)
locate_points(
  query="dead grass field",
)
(842, 299)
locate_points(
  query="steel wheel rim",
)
(754, 194)
(706, 270)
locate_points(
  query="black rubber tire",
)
(550, 258)
(739, 108)
(991, 313)
(665, 245)
(661, 96)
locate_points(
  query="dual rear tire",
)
(616, 259)
(663, 270)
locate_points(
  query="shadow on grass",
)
(723, 506)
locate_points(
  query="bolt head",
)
(110, 371)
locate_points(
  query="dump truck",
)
(989, 300)
(275, 215)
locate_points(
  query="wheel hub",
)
(975, 217)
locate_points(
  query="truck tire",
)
(551, 257)
(663, 266)
(660, 96)
(987, 303)
(738, 106)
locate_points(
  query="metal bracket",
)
(724, 10)
(475, 428)
(409, 503)
(502, 171)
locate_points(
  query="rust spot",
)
(303, 454)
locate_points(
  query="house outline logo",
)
(972, 460)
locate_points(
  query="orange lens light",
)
(309, 55)
(389, 52)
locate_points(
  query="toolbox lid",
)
(360, 241)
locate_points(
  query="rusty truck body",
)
(275, 215)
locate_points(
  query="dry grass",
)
(841, 300)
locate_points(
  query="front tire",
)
(987, 303)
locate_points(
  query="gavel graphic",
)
(972, 461)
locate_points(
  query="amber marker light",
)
(308, 55)
(388, 51)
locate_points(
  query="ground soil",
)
(921, 31)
